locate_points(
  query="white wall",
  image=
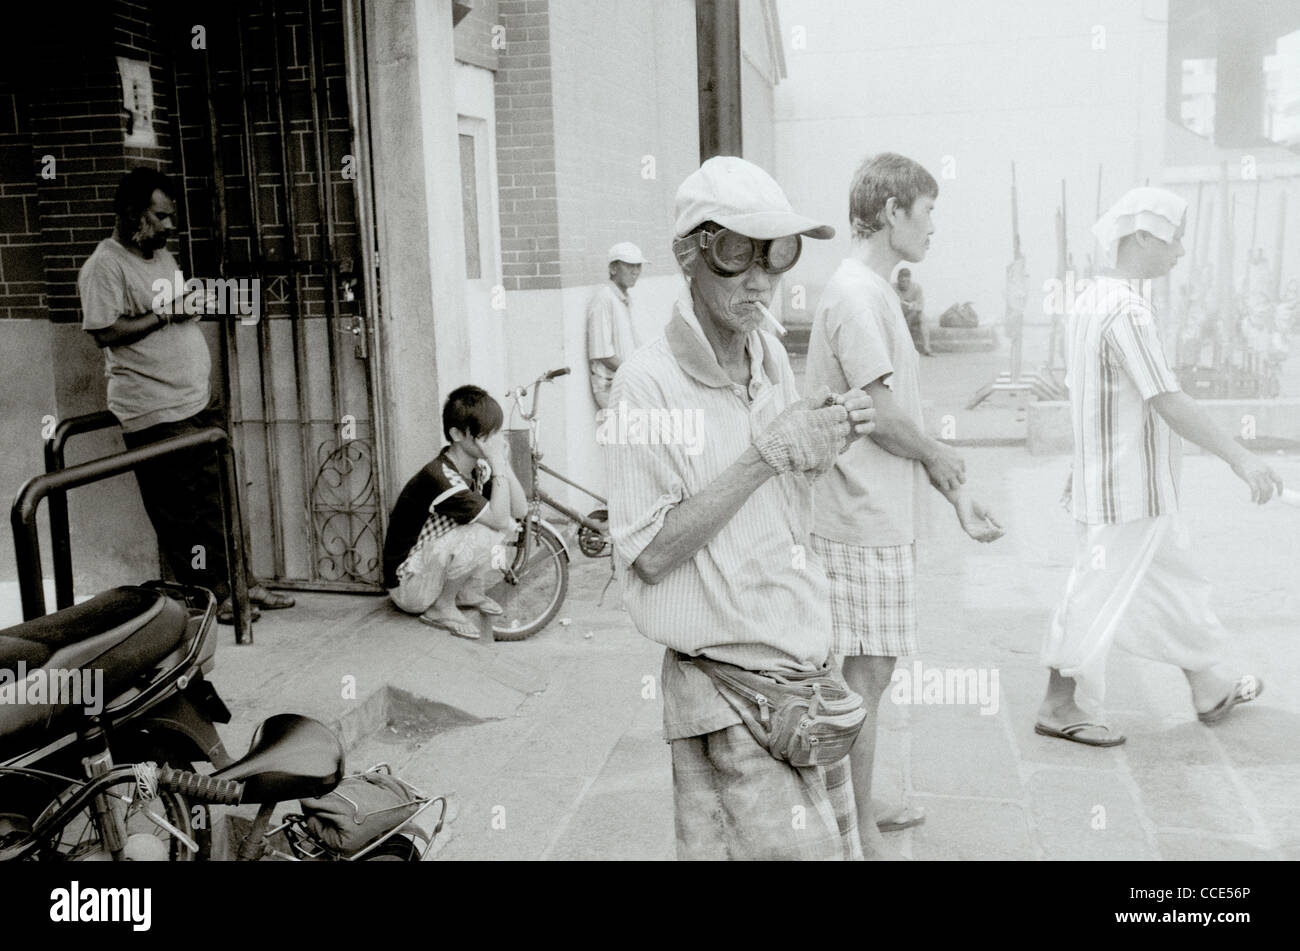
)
(548, 329)
(976, 86)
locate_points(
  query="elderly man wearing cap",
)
(717, 539)
(1133, 583)
(611, 334)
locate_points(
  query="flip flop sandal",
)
(465, 630)
(272, 600)
(485, 605)
(1072, 732)
(1246, 689)
(904, 818)
(226, 613)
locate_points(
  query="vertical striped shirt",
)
(755, 595)
(1126, 458)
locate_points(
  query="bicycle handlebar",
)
(519, 392)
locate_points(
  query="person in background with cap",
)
(611, 333)
(1133, 583)
(717, 541)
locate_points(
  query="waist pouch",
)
(804, 719)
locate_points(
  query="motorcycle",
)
(121, 679)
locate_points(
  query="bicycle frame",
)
(536, 466)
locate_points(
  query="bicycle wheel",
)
(532, 589)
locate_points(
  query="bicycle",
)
(535, 565)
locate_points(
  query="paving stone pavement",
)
(552, 749)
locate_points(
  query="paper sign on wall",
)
(137, 100)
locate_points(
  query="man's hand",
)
(807, 436)
(946, 469)
(1263, 481)
(977, 521)
(862, 413)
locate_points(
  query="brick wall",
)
(67, 117)
(22, 266)
(526, 169)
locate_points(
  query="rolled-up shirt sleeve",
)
(645, 480)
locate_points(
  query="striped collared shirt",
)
(1126, 458)
(755, 595)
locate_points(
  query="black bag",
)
(961, 316)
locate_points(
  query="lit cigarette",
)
(767, 315)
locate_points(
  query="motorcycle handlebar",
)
(200, 788)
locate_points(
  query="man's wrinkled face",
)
(732, 303)
(157, 223)
(910, 236)
(625, 275)
(904, 281)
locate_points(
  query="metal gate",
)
(281, 162)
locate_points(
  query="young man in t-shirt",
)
(450, 515)
(865, 520)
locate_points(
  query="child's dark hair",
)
(471, 410)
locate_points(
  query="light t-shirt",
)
(871, 497)
(162, 377)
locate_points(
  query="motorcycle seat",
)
(122, 632)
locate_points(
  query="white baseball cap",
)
(627, 252)
(742, 197)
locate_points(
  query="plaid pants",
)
(735, 801)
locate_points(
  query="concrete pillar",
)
(418, 214)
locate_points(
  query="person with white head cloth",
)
(1133, 583)
(716, 534)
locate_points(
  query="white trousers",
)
(1132, 585)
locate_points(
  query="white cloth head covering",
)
(1142, 209)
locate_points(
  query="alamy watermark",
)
(53, 686)
(1061, 297)
(947, 686)
(234, 297)
(625, 425)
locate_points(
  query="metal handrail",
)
(60, 532)
(27, 546)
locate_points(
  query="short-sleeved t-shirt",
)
(162, 377)
(871, 497)
(434, 501)
(1126, 458)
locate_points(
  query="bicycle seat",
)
(291, 757)
(122, 632)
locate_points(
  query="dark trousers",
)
(182, 494)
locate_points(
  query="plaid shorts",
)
(733, 800)
(873, 598)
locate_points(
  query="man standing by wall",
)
(611, 333)
(1133, 583)
(867, 507)
(716, 540)
(158, 369)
